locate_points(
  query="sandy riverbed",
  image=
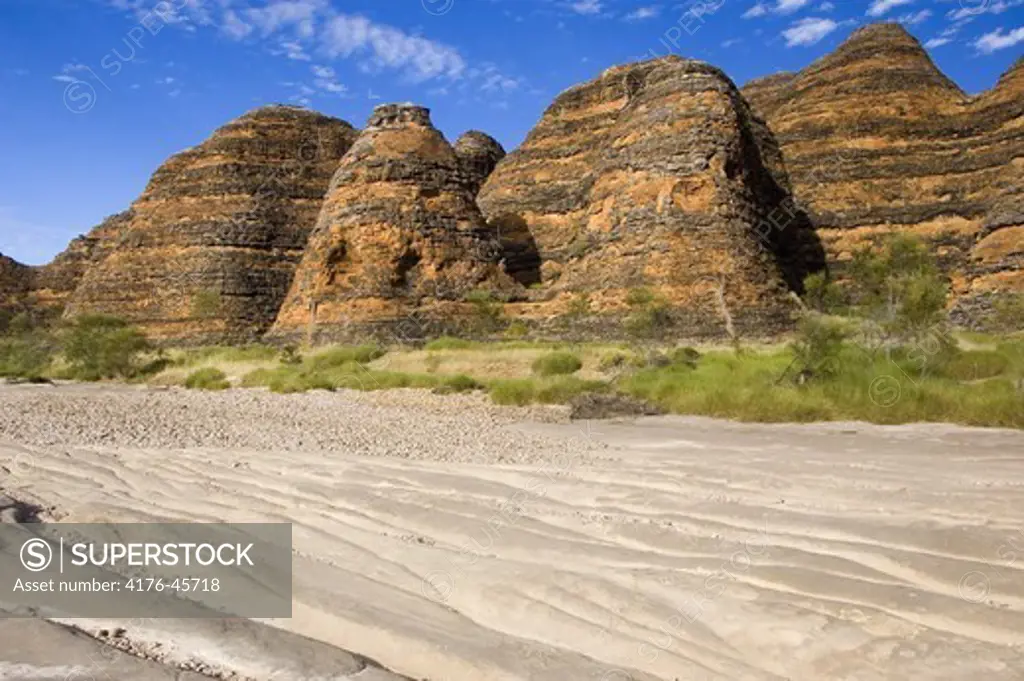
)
(475, 544)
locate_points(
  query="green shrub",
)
(562, 389)
(342, 355)
(898, 290)
(615, 360)
(258, 378)
(557, 364)
(26, 356)
(207, 379)
(649, 314)
(516, 329)
(98, 347)
(822, 294)
(554, 390)
(287, 379)
(516, 391)
(461, 383)
(639, 297)
(818, 346)
(225, 353)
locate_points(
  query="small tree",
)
(821, 294)
(100, 346)
(817, 347)
(899, 290)
(26, 350)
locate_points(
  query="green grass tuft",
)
(557, 364)
(553, 390)
(451, 343)
(759, 387)
(461, 383)
(207, 379)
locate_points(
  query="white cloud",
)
(937, 42)
(383, 46)
(880, 7)
(969, 11)
(292, 50)
(65, 72)
(826, 7)
(233, 26)
(915, 17)
(325, 80)
(789, 6)
(997, 40)
(758, 10)
(586, 6)
(300, 30)
(492, 80)
(298, 14)
(808, 31)
(642, 13)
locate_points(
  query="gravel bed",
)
(412, 424)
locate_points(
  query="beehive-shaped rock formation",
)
(210, 248)
(479, 154)
(15, 283)
(653, 176)
(399, 235)
(56, 281)
(876, 140)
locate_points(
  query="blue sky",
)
(95, 94)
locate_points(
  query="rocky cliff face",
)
(208, 251)
(15, 283)
(57, 281)
(877, 140)
(398, 238)
(479, 154)
(653, 176)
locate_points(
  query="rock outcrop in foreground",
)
(399, 236)
(877, 140)
(653, 176)
(208, 251)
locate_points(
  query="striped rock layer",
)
(399, 242)
(15, 283)
(209, 250)
(653, 176)
(877, 140)
(56, 281)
